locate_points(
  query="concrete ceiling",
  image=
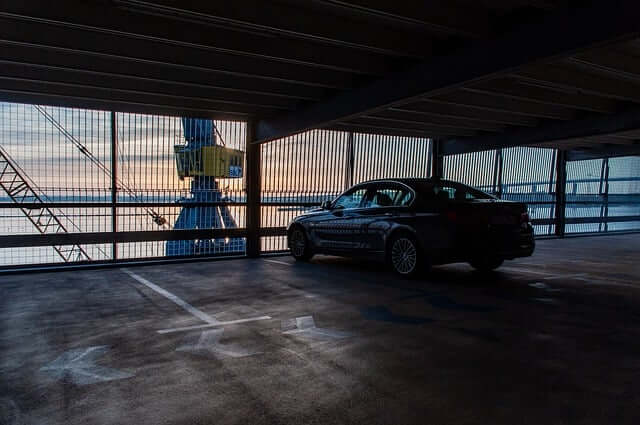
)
(475, 74)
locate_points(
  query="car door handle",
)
(388, 214)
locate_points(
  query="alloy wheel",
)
(404, 256)
(297, 243)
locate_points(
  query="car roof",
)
(411, 182)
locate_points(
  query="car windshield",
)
(350, 199)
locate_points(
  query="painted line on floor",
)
(566, 276)
(596, 281)
(173, 298)
(280, 262)
(521, 270)
(585, 277)
(211, 325)
(548, 276)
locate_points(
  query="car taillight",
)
(524, 218)
(452, 216)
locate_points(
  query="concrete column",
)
(253, 183)
(114, 184)
(561, 196)
(437, 159)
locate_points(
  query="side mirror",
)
(326, 205)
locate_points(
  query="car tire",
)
(486, 264)
(404, 256)
(299, 244)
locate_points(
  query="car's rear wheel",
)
(404, 255)
(299, 245)
(486, 264)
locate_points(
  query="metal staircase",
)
(17, 186)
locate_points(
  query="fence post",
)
(437, 166)
(561, 195)
(606, 197)
(253, 188)
(497, 174)
(114, 183)
(429, 155)
(604, 193)
(350, 162)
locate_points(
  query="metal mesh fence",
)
(58, 177)
(529, 175)
(623, 194)
(158, 182)
(519, 174)
(302, 171)
(298, 173)
(603, 195)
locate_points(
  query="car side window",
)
(453, 193)
(404, 198)
(444, 193)
(468, 196)
(351, 199)
(388, 197)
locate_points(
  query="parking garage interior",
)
(143, 282)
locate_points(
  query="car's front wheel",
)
(299, 245)
(404, 255)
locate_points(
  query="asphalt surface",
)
(551, 339)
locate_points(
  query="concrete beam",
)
(603, 151)
(559, 36)
(588, 125)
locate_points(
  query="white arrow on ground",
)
(79, 366)
(305, 326)
(208, 342)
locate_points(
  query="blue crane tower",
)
(204, 160)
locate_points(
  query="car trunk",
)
(486, 224)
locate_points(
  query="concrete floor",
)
(551, 339)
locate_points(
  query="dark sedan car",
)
(415, 223)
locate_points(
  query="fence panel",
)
(57, 173)
(380, 157)
(623, 194)
(298, 173)
(476, 169)
(520, 174)
(301, 171)
(529, 175)
(81, 185)
(603, 195)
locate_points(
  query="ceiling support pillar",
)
(437, 158)
(253, 187)
(561, 195)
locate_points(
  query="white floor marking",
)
(544, 286)
(589, 279)
(79, 366)
(607, 283)
(565, 276)
(516, 269)
(305, 326)
(546, 300)
(548, 276)
(212, 325)
(185, 305)
(208, 342)
(279, 262)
